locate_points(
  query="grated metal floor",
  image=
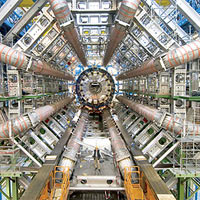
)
(97, 196)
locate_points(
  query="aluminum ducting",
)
(123, 156)
(21, 60)
(64, 17)
(165, 120)
(169, 60)
(21, 124)
(124, 17)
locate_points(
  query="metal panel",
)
(46, 135)
(157, 145)
(146, 135)
(138, 125)
(36, 30)
(61, 120)
(54, 126)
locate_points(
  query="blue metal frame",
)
(196, 195)
(11, 21)
(183, 22)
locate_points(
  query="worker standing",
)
(97, 157)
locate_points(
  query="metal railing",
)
(132, 183)
(57, 186)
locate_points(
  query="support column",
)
(0, 188)
(180, 188)
(187, 188)
(8, 189)
(15, 188)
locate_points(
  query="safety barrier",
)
(57, 186)
(132, 183)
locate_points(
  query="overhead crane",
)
(123, 126)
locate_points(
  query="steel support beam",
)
(0, 188)
(188, 12)
(15, 195)
(6, 193)
(38, 5)
(166, 153)
(8, 187)
(196, 191)
(26, 152)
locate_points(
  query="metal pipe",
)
(123, 19)
(63, 15)
(169, 60)
(165, 120)
(123, 156)
(73, 147)
(21, 60)
(21, 124)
